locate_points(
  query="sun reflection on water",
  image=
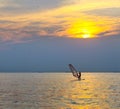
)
(59, 91)
(90, 93)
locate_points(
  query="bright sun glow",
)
(86, 35)
(84, 29)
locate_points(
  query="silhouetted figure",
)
(74, 72)
(79, 76)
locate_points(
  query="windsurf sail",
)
(73, 70)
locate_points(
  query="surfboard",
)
(73, 70)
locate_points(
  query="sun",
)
(83, 30)
(86, 36)
(83, 36)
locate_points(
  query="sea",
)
(59, 90)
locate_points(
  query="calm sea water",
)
(59, 91)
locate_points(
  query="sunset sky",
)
(47, 35)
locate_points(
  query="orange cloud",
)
(66, 21)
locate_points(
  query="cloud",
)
(111, 12)
(62, 21)
(27, 6)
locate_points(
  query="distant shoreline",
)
(58, 72)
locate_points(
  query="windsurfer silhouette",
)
(74, 72)
(79, 76)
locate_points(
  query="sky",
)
(47, 35)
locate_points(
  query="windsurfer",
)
(74, 72)
(79, 76)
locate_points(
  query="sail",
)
(73, 70)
